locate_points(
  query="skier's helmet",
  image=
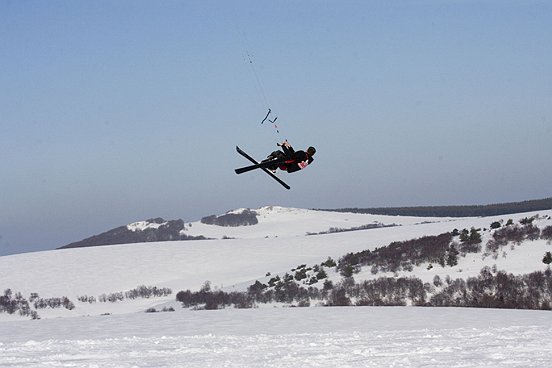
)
(311, 151)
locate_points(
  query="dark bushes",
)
(245, 218)
(400, 255)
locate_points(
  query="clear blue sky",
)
(118, 111)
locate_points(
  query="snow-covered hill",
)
(241, 255)
(270, 335)
(270, 221)
(275, 221)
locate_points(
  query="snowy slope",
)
(276, 244)
(268, 336)
(275, 221)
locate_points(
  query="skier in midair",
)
(295, 160)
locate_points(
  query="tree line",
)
(13, 303)
(489, 289)
(141, 291)
(456, 211)
(246, 218)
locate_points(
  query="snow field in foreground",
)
(285, 337)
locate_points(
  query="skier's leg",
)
(288, 151)
(274, 155)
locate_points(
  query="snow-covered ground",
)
(276, 245)
(267, 336)
(285, 337)
(276, 221)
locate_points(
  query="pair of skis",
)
(262, 165)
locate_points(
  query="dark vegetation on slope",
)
(167, 231)
(334, 230)
(245, 218)
(456, 211)
(170, 230)
(490, 289)
(15, 303)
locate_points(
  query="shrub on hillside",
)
(245, 218)
(329, 263)
(500, 290)
(54, 303)
(515, 234)
(399, 255)
(387, 291)
(495, 225)
(143, 291)
(547, 259)
(546, 233)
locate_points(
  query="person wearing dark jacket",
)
(295, 160)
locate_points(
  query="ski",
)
(262, 168)
(260, 165)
